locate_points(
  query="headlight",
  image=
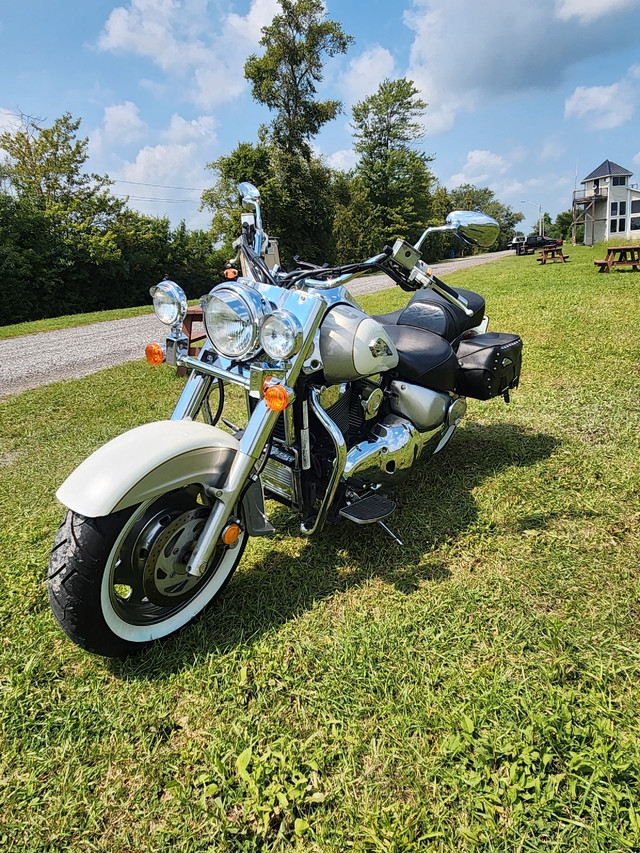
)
(169, 302)
(232, 317)
(281, 335)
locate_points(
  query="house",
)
(608, 206)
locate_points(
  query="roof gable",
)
(606, 169)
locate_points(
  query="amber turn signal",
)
(276, 397)
(154, 353)
(231, 273)
(230, 534)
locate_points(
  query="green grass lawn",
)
(476, 690)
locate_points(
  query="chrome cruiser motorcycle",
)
(340, 406)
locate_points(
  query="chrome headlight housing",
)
(281, 335)
(232, 318)
(169, 302)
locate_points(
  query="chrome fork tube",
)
(251, 446)
(338, 464)
(195, 390)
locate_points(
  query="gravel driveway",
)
(45, 357)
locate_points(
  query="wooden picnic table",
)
(552, 253)
(620, 256)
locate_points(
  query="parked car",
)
(517, 240)
(536, 241)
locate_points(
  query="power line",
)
(155, 198)
(160, 186)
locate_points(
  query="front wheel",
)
(119, 582)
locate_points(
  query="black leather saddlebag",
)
(489, 365)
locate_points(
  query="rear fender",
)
(147, 462)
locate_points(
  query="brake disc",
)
(165, 578)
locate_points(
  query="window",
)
(620, 181)
(613, 226)
(622, 225)
(634, 223)
(614, 208)
(622, 208)
(635, 206)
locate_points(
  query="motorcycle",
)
(340, 406)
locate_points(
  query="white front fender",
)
(146, 462)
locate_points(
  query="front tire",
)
(119, 582)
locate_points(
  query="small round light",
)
(169, 302)
(276, 397)
(281, 335)
(154, 353)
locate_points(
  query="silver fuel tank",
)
(353, 345)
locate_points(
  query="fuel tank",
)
(353, 345)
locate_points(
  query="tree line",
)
(67, 244)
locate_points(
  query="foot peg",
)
(368, 510)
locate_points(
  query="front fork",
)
(255, 437)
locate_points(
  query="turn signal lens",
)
(154, 353)
(230, 534)
(276, 397)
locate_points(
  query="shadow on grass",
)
(283, 577)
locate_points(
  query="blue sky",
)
(521, 96)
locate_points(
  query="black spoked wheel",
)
(119, 582)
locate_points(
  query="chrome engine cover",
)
(422, 406)
(389, 454)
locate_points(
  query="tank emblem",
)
(379, 347)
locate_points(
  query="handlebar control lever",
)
(423, 274)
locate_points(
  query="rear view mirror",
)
(475, 228)
(248, 193)
(471, 226)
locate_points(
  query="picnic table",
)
(552, 253)
(620, 256)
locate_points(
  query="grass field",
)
(476, 690)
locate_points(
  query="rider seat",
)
(424, 357)
(428, 310)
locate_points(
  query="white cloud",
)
(248, 27)
(590, 10)
(9, 121)
(365, 73)
(343, 160)
(122, 122)
(176, 35)
(465, 53)
(606, 106)
(481, 167)
(182, 130)
(160, 179)
(552, 149)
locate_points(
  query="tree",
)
(392, 180)
(44, 165)
(247, 162)
(561, 228)
(284, 78)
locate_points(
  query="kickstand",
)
(390, 532)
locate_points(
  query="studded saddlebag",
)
(489, 365)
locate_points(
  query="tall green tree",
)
(392, 179)
(45, 166)
(286, 76)
(561, 228)
(296, 186)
